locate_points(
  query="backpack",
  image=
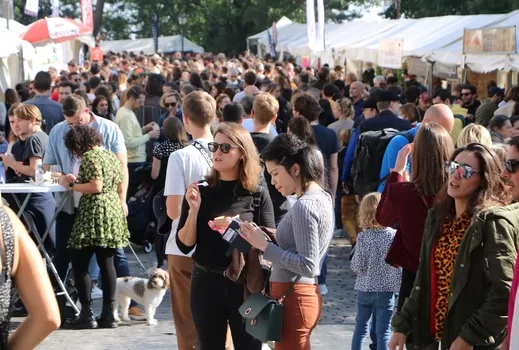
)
(371, 146)
(462, 118)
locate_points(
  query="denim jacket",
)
(480, 287)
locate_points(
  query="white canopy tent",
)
(286, 34)
(453, 54)
(253, 39)
(16, 56)
(166, 44)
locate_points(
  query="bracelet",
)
(71, 186)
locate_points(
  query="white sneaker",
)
(96, 293)
(323, 289)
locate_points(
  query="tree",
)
(428, 8)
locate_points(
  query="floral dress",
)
(100, 221)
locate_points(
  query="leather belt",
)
(208, 269)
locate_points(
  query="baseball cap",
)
(370, 104)
(425, 96)
(387, 96)
(496, 91)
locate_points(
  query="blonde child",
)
(377, 282)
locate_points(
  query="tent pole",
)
(7, 11)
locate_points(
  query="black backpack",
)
(371, 146)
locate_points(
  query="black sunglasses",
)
(174, 104)
(466, 94)
(511, 165)
(465, 171)
(224, 147)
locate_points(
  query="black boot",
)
(85, 320)
(106, 320)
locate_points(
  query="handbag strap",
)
(204, 152)
(289, 290)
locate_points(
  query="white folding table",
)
(15, 189)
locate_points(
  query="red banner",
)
(87, 13)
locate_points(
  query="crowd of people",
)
(422, 183)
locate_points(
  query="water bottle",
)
(38, 176)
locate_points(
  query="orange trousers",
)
(301, 313)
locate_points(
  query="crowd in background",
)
(420, 182)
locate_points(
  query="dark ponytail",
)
(287, 150)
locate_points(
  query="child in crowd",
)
(377, 282)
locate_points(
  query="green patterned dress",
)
(100, 221)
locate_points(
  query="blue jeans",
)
(382, 304)
(324, 271)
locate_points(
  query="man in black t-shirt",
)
(264, 113)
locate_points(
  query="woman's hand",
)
(460, 344)
(397, 341)
(254, 235)
(401, 159)
(71, 178)
(64, 181)
(193, 197)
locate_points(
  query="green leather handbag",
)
(264, 315)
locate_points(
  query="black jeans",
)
(406, 286)
(105, 259)
(40, 208)
(214, 304)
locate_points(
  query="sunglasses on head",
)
(511, 165)
(224, 147)
(173, 104)
(465, 171)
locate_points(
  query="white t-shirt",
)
(185, 167)
(249, 125)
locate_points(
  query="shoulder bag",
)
(264, 315)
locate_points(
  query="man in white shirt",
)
(185, 167)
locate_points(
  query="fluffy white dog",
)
(147, 292)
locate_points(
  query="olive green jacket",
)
(480, 287)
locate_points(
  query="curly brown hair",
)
(492, 190)
(81, 139)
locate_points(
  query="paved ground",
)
(334, 331)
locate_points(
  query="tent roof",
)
(283, 21)
(15, 27)
(166, 44)
(452, 54)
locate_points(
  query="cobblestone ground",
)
(334, 331)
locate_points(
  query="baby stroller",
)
(141, 223)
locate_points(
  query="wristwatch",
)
(71, 186)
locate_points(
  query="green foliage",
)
(430, 8)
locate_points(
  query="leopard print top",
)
(447, 248)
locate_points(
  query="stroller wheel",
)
(148, 247)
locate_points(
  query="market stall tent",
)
(452, 54)
(16, 59)
(253, 39)
(167, 44)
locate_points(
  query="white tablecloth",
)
(30, 188)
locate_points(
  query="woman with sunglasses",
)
(461, 291)
(230, 190)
